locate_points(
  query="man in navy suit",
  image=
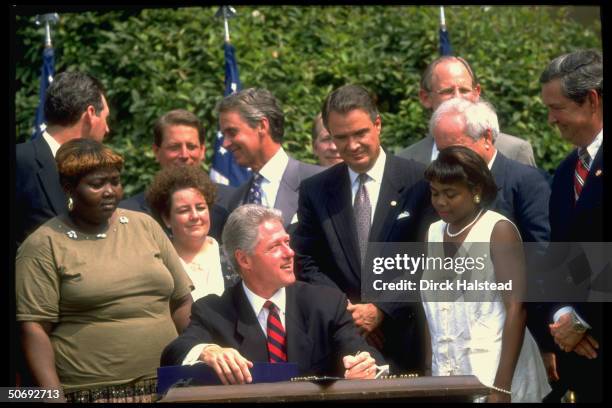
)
(75, 107)
(572, 90)
(252, 123)
(523, 190)
(179, 141)
(268, 317)
(333, 232)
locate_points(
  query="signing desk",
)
(452, 388)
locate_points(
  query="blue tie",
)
(255, 192)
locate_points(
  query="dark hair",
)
(174, 118)
(174, 178)
(427, 77)
(69, 95)
(317, 124)
(78, 157)
(254, 104)
(579, 71)
(459, 164)
(347, 98)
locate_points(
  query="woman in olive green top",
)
(100, 291)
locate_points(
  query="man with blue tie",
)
(252, 123)
(572, 90)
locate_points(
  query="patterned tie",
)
(255, 192)
(583, 165)
(277, 346)
(363, 211)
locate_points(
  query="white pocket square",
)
(403, 214)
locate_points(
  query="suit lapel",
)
(251, 338)
(287, 197)
(340, 208)
(299, 343)
(592, 190)
(389, 201)
(48, 175)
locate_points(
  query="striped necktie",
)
(583, 165)
(277, 346)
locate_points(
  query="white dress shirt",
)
(272, 174)
(51, 142)
(372, 185)
(279, 299)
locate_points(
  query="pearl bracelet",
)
(500, 390)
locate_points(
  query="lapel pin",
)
(598, 173)
(393, 203)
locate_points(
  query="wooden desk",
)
(453, 388)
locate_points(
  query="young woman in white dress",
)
(182, 197)
(483, 336)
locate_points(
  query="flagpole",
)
(47, 19)
(442, 19)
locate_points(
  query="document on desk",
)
(201, 374)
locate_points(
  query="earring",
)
(477, 199)
(70, 204)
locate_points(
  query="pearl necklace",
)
(464, 228)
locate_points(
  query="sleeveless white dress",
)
(466, 337)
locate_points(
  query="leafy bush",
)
(154, 60)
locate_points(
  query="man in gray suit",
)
(451, 77)
(252, 124)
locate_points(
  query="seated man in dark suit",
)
(572, 90)
(371, 197)
(268, 316)
(253, 126)
(179, 141)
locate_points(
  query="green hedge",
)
(154, 60)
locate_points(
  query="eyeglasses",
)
(450, 91)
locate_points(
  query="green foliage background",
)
(154, 60)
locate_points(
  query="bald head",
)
(447, 78)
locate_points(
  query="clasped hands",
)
(570, 340)
(232, 368)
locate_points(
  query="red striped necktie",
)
(583, 165)
(277, 345)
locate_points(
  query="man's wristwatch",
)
(577, 325)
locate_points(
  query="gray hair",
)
(579, 72)
(347, 98)
(479, 116)
(241, 231)
(254, 104)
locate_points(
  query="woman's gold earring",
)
(70, 204)
(477, 199)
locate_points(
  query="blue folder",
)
(201, 374)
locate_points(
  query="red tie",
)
(277, 347)
(582, 171)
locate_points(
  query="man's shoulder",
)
(515, 148)
(307, 292)
(137, 202)
(420, 150)
(305, 170)
(323, 175)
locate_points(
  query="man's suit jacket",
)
(512, 147)
(319, 329)
(287, 196)
(582, 221)
(39, 195)
(326, 246)
(522, 197)
(218, 213)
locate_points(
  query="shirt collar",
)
(275, 167)
(51, 142)
(376, 172)
(490, 164)
(593, 148)
(257, 302)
